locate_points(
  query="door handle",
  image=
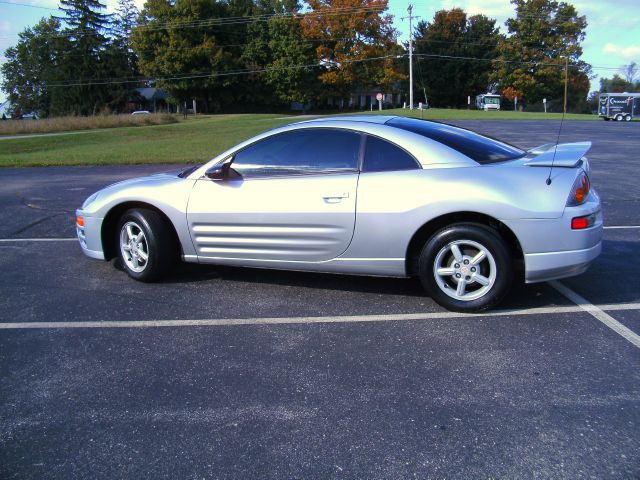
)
(336, 197)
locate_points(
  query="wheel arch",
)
(110, 224)
(425, 232)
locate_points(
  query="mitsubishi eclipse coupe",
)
(369, 195)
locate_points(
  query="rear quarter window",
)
(382, 156)
(484, 150)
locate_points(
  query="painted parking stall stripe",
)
(597, 312)
(219, 322)
(18, 240)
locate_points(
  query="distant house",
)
(6, 114)
(5, 110)
(151, 99)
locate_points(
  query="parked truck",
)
(619, 106)
(488, 101)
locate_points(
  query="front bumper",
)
(89, 236)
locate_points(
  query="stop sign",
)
(379, 96)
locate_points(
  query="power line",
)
(27, 5)
(520, 62)
(206, 74)
(225, 21)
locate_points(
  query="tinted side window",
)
(300, 151)
(382, 156)
(478, 147)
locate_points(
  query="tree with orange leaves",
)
(356, 44)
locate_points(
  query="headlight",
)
(90, 199)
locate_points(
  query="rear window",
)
(482, 149)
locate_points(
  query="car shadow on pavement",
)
(322, 281)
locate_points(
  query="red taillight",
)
(579, 223)
(80, 221)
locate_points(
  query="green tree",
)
(531, 59)
(120, 61)
(280, 52)
(186, 44)
(31, 64)
(82, 65)
(444, 47)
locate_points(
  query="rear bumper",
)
(541, 267)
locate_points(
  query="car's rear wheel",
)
(466, 267)
(146, 247)
(619, 118)
(627, 118)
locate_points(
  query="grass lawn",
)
(191, 141)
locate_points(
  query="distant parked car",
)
(29, 116)
(141, 112)
(372, 195)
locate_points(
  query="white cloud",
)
(498, 9)
(630, 52)
(5, 27)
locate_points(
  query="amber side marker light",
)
(80, 221)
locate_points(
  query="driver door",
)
(290, 197)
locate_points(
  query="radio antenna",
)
(564, 111)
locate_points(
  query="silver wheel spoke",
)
(457, 254)
(446, 272)
(465, 270)
(481, 255)
(462, 285)
(134, 249)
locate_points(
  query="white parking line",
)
(621, 227)
(597, 312)
(218, 322)
(10, 240)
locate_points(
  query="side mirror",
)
(222, 172)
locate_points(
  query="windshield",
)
(185, 173)
(483, 150)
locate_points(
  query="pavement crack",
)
(33, 224)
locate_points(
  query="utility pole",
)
(410, 17)
(566, 81)
(410, 10)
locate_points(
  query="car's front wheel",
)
(146, 246)
(466, 267)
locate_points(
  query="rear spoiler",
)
(567, 155)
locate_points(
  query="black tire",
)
(485, 283)
(619, 118)
(157, 243)
(627, 118)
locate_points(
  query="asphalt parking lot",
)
(241, 373)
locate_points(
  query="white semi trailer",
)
(619, 106)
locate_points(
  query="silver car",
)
(368, 195)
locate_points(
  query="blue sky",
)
(612, 35)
